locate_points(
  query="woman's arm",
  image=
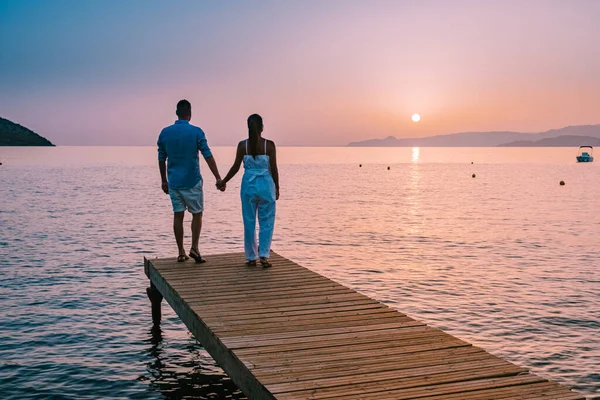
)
(274, 171)
(239, 156)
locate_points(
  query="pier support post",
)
(155, 298)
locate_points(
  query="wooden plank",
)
(349, 391)
(365, 337)
(545, 390)
(331, 316)
(235, 271)
(305, 299)
(276, 294)
(337, 337)
(358, 362)
(199, 285)
(443, 391)
(251, 310)
(377, 349)
(353, 382)
(253, 287)
(232, 341)
(224, 314)
(303, 320)
(364, 366)
(289, 333)
(312, 324)
(229, 331)
(238, 277)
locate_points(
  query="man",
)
(178, 147)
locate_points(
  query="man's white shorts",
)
(191, 199)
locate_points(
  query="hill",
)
(560, 141)
(12, 134)
(481, 139)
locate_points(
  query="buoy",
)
(562, 183)
(388, 168)
(473, 176)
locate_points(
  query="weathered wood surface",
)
(289, 333)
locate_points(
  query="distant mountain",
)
(12, 134)
(480, 139)
(560, 141)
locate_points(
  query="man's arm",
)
(162, 165)
(207, 154)
(212, 164)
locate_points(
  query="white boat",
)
(584, 156)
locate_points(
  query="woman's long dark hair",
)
(255, 123)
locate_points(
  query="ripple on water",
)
(504, 264)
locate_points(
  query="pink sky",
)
(320, 73)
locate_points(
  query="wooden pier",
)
(289, 333)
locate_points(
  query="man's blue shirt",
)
(178, 145)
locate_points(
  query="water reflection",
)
(156, 365)
(186, 375)
(414, 195)
(415, 154)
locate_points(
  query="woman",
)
(259, 191)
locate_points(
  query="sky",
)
(321, 73)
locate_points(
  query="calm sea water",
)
(508, 260)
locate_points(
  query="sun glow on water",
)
(415, 154)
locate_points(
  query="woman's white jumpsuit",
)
(258, 196)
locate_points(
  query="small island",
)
(12, 134)
(569, 136)
(560, 141)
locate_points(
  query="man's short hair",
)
(184, 109)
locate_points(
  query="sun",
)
(416, 117)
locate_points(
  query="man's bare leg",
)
(178, 230)
(196, 228)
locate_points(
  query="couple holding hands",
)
(178, 147)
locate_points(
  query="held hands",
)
(165, 187)
(221, 185)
